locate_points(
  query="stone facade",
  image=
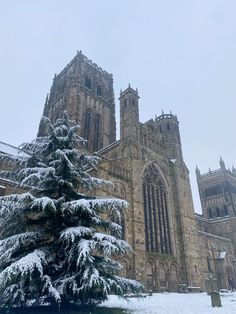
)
(85, 91)
(171, 244)
(147, 168)
(217, 190)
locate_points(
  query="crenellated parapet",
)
(93, 64)
(168, 126)
(217, 189)
(211, 173)
(81, 57)
(166, 116)
(214, 174)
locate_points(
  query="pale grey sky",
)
(181, 54)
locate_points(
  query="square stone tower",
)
(86, 92)
(217, 190)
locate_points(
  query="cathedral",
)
(172, 245)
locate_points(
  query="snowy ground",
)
(174, 303)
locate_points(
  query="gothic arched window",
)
(99, 90)
(97, 133)
(156, 216)
(87, 82)
(209, 264)
(87, 121)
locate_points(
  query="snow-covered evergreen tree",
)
(57, 245)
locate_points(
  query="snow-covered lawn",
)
(174, 303)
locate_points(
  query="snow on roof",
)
(113, 144)
(213, 235)
(10, 149)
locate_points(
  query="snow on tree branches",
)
(56, 247)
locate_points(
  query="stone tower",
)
(129, 113)
(168, 126)
(86, 91)
(217, 191)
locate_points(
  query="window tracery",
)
(156, 216)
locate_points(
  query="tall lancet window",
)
(156, 213)
(87, 122)
(97, 133)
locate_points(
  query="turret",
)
(198, 173)
(222, 164)
(129, 112)
(168, 126)
(42, 131)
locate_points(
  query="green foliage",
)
(56, 246)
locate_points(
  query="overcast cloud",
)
(181, 54)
